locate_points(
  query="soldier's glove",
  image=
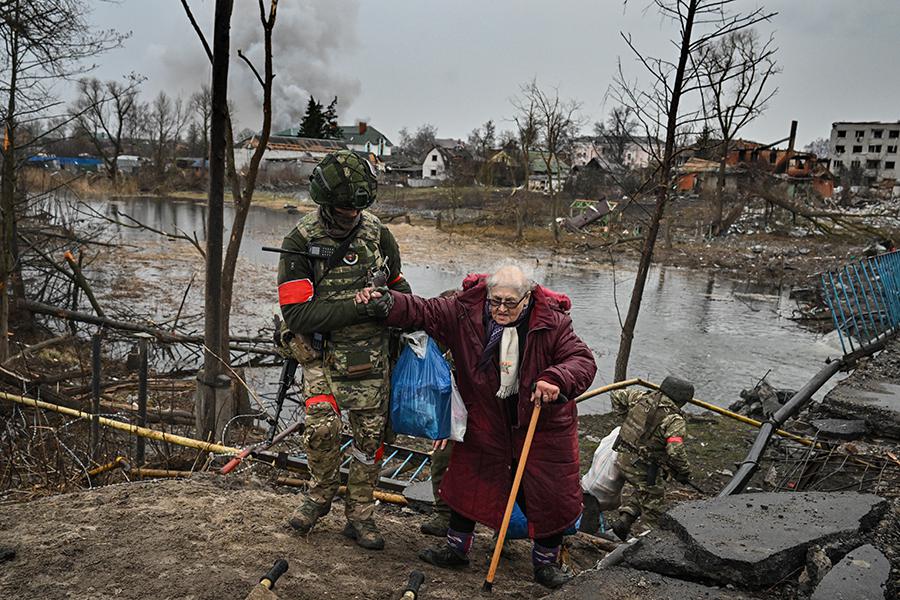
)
(380, 307)
(684, 478)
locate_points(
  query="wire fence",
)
(864, 299)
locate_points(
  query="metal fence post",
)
(142, 399)
(95, 396)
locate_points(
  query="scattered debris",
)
(840, 429)
(863, 574)
(756, 540)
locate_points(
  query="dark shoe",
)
(590, 517)
(443, 557)
(622, 526)
(365, 533)
(551, 576)
(437, 525)
(307, 514)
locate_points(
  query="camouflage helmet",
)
(343, 179)
(679, 390)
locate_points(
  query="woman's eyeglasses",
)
(507, 304)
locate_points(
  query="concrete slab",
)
(419, 495)
(755, 540)
(840, 429)
(663, 552)
(620, 583)
(879, 405)
(861, 575)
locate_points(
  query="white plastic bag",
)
(603, 480)
(418, 341)
(458, 413)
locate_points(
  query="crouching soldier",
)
(332, 253)
(651, 439)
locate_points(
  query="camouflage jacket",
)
(315, 301)
(655, 436)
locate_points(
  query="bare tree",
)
(241, 190)
(617, 135)
(166, 121)
(734, 71)
(526, 120)
(201, 105)
(101, 114)
(43, 41)
(557, 122)
(659, 110)
(415, 145)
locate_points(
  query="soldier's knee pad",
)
(323, 425)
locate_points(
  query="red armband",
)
(675, 439)
(396, 279)
(296, 291)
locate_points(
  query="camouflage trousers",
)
(645, 501)
(323, 445)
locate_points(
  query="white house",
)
(440, 161)
(636, 154)
(362, 137)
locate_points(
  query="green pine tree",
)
(332, 130)
(313, 123)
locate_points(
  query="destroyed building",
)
(865, 150)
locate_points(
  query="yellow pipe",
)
(152, 434)
(119, 461)
(712, 407)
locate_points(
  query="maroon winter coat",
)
(479, 478)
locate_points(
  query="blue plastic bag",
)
(518, 525)
(420, 390)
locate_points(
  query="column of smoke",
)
(308, 40)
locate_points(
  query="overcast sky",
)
(457, 63)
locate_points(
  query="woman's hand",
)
(364, 295)
(439, 444)
(544, 393)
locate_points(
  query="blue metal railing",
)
(864, 299)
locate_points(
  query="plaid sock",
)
(459, 541)
(541, 556)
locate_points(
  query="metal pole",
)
(95, 396)
(142, 401)
(868, 304)
(834, 314)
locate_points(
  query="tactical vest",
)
(642, 420)
(358, 352)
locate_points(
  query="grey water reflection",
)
(721, 334)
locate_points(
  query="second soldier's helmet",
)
(679, 390)
(343, 179)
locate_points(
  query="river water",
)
(721, 334)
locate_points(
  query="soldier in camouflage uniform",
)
(342, 347)
(651, 438)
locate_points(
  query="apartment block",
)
(865, 150)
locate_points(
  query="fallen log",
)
(38, 347)
(168, 337)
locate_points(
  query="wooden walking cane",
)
(520, 469)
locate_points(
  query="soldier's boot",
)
(365, 533)
(306, 515)
(590, 517)
(622, 526)
(437, 525)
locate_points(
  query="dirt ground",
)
(201, 539)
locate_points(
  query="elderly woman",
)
(513, 346)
